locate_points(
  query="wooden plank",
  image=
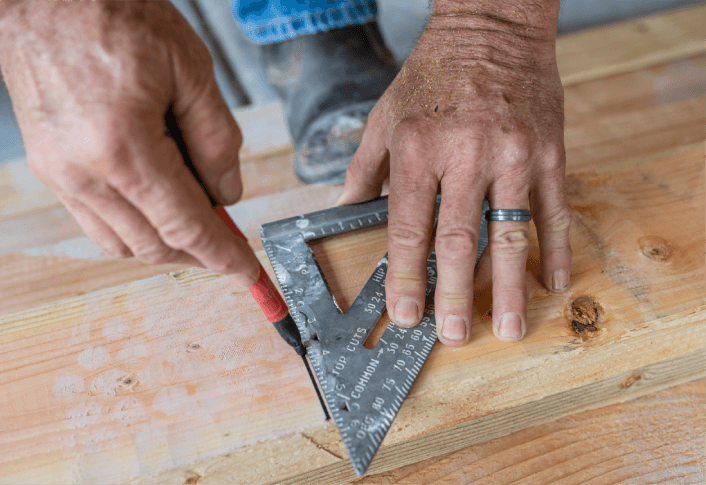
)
(661, 84)
(498, 424)
(657, 438)
(142, 380)
(28, 281)
(651, 289)
(630, 46)
(106, 383)
(623, 136)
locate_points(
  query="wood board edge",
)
(621, 387)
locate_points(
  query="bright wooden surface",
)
(179, 379)
(631, 46)
(653, 439)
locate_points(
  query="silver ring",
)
(508, 215)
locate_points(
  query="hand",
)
(90, 84)
(476, 111)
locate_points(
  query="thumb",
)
(370, 165)
(211, 135)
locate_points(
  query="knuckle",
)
(44, 166)
(363, 168)
(518, 148)
(73, 179)
(511, 242)
(553, 160)
(222, 138)
(117, 250)
(404, 282)
(408, 237)
(559, 221)
(112, 152)
(454, 299)
(153, 253)
(555, 229)
(186, 235)
(405, 279)
(457, 246)
(411, 136)
(505, 291)
(116, 162)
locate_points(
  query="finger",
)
(509, 247)
(552, 217)
(155, 180)
(370, 165)
(456, 252)
(96, 229)
(211, 135)
(131, 226)
(412, 206)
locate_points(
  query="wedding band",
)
(508, 215)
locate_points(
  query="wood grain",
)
(630, 46)
(140, 378)
(503, 422)
(72, 369)
(179, 379)
(29, 281)
(656, 438)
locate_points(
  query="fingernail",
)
(339, 201)
(560, 280)
(230, 186)
(511, 326)
(406, 312)
(454, 328)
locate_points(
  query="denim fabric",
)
(267, 21)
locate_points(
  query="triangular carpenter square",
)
(363, 388)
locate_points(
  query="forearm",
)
(514, 35)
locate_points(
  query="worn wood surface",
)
(653, 439)
(631, 46)
(135, 379)
(179, 379)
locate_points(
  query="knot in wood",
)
(655, 248)
(631, 379)
(586, 316)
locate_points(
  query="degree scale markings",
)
(363, 388)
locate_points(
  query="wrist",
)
(514, 34)
(519, 18)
